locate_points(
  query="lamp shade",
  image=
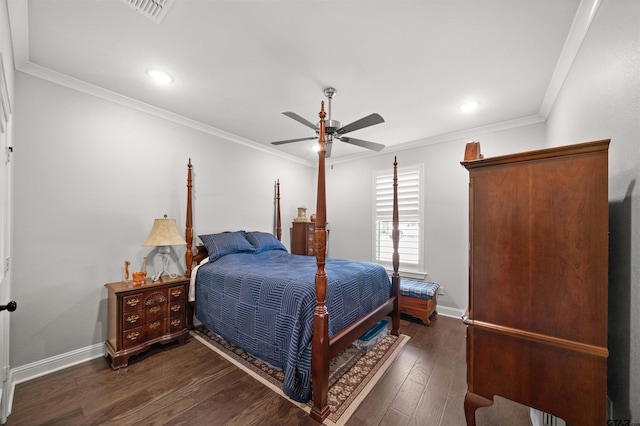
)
(164, 233)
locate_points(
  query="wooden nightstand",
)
(141, 315)
(303, 238)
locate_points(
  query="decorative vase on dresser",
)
(143, 314)
(538, 270)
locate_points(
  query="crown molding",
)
(99, 92)
(577, 33)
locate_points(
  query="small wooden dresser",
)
(303, 238)
(141, 315)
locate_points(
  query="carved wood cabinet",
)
(141, 315)
(538, 265)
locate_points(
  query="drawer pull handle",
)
(176, 308)
(133, 302)
(176, 322)
(176, 293)
(155, 309)
(154, 325)
(133, 318)
(133, 336)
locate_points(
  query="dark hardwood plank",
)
(408, 397)
(394, 418)
(431, 406)
(373, 409)
(191, 385)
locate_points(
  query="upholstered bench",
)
(418, 299)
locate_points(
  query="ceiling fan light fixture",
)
(469, 106)
(334, 130)
(159, 76)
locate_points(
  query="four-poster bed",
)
(262, 269)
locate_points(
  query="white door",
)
(5, 242)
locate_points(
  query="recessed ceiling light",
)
(159, 77)
(469, 106)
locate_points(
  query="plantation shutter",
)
(409, 213)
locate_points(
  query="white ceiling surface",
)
(238, 64)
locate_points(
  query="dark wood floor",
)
(191, 385)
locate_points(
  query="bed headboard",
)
(190, 258)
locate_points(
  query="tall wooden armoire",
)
(537, 316)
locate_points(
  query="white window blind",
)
(410, 217)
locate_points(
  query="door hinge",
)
(9, 152)
(7, 264)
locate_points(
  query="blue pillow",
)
(263, 241)
(218, 245)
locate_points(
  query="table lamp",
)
(164, 234)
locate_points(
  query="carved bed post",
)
(320, 341)
(395, 277)
(189, 226)
(278, 221)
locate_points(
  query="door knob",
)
(11, 306)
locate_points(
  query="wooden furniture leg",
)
(471, 403)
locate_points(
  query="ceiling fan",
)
(335, 130)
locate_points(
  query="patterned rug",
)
(353, 373)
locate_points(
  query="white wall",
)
(6, 48)
(446, 231)
(90, 177)
(601, 100)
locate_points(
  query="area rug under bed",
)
(352, 374)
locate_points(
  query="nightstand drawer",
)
(176, 323)
(132, 302)
(176, 309)
(132, 320)
(133, 337)
(176, 293)
(156, 297)
(155, 313)
(155, 329)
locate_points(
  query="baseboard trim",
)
(43, 367)
(450, 312)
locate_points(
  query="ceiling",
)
(238, 64)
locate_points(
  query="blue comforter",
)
(264, 304)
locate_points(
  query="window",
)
(410, 217)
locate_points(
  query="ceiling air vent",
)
(152, 9)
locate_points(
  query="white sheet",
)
(192, 284)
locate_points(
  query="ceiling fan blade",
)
(367, 121)
(293, 140)
(365, 144)
(300, 119)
